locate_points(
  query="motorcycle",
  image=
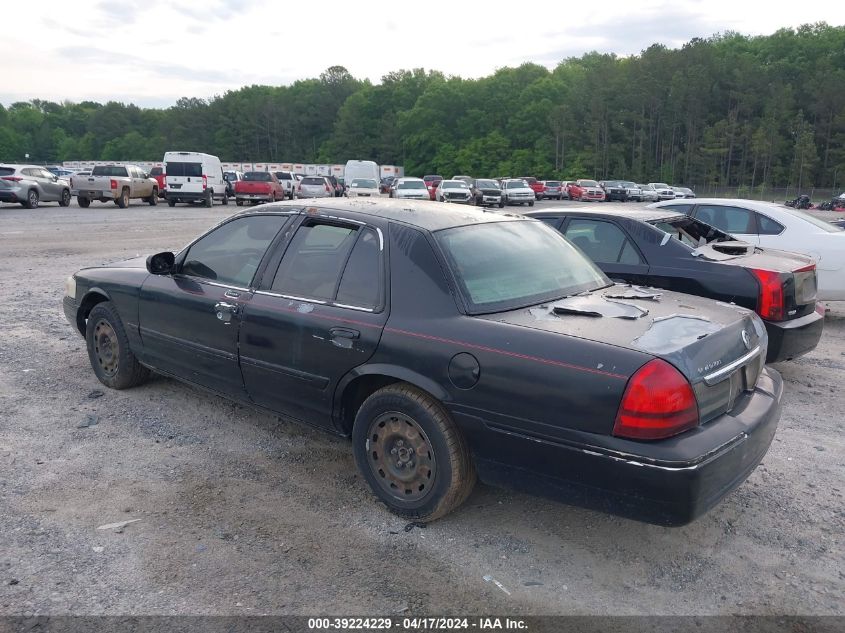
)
(801, 202)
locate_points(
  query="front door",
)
(316, 316)
(189, 320)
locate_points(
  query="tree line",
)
(729, 110)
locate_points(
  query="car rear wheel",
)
(83, 202)
(31, 199)
(108, 349)
(209, 198)
(64, 201)
(153, 199)
(123, 200)
(240, 203)
(171, 203)
(226, 199)
(411, 453)
(531, 204)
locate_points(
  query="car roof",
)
(427, 215)
(643, 215)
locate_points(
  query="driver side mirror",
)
(161, 263)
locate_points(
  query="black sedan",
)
(448, 342)
(663, 248)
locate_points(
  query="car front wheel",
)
(411, 453)
(108, 349)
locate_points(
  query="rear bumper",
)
(185, 196)
(10, 196)
(791, 339)
(254, 197)
(668, 482)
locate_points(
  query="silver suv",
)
(30, 185)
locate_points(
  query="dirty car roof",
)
(644, 215)
(424, 214)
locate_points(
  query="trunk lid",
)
(720, 348)
(252, 186)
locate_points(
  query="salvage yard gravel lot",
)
(239, 512)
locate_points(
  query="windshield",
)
(453, 184)
(515, 184)
(364, 183)
(258, 176)
(228, 175)
(661, 185)
(507, 265)
(487, 184)
(628, 185)
(646, 187)
(156, 171)
(588, 183)
(690, 231)
(411, 184)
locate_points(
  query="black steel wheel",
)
(83, 202)
(108, 349)
(411, 453)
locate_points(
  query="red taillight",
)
(113, 184)
(658, 402)
(12, 178)
(770, 304)
(204, 182)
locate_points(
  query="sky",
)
(153, 52)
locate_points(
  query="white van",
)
(360, 169)
(192, 177)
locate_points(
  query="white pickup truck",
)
(116, 183)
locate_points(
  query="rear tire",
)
(64, 201)
(226, 199)
(171, 203)
(123, 200)
(209, 199)
(108, 349)
(411, 453)
(31, 199)
(240, 203)
(83, 202)
(531, 204)
(153, 201)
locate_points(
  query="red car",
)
(536, 186)
(585, 190)
(431, 183)
(258, 186)
(161, 178)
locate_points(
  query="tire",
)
(209, 199)
(83, 202)
(531, 204)
(31, 199)
(123, 200)
(405, 420)
(108, 349)
(238, 202)
(171, 203)
(153, 199)
(226, 199)
(501, 205)
(64, 201)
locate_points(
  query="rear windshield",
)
(507, 265)
(230, 175)
(552, 183)
(183, 169)
(366, 183)
(432, 178)
(156, 171)
(283, 175)
(258, 176)
(827, 227)
(7, 171)
(690, 231)
(411, 184)
(108, 170)
(313, 180)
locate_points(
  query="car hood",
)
(696, 335)
(135, 262)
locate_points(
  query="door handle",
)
(343, 332)
(225, 311)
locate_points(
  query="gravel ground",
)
(239, 512)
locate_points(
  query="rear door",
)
(184, 176)
(189, 320)
(609, 246)
(319, 312)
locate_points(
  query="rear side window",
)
(230, 254)
(183, 169)
(7, 171)
(729, 219)
(283, 175)
(603, 242)
(768, 226)
(361, 281)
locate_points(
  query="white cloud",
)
(154, 52)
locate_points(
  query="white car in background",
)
(664, 191)
(453, 191)
(634, 191)
(648, 193)
(410, 189)
(780, 227)
(363, 188)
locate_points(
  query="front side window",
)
(230, 254)
(332, 263)
(507, 265)
(603, 242)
